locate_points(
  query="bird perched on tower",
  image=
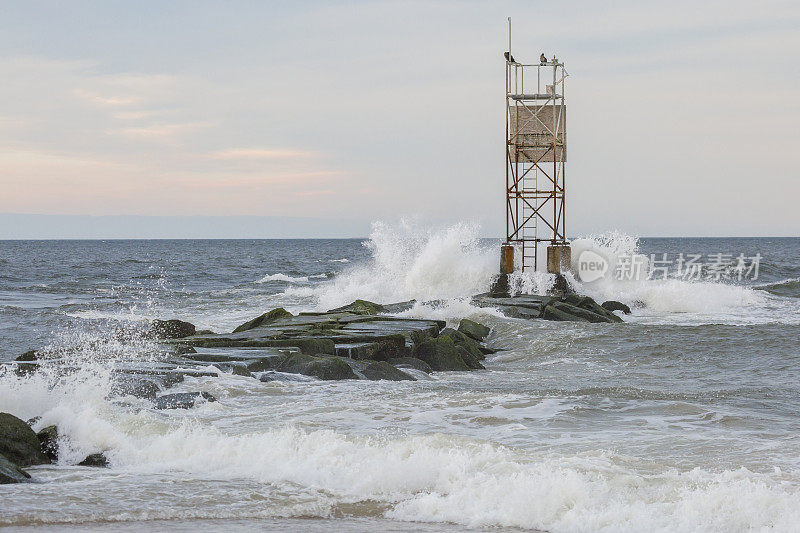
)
(509, 57)
(543, 59)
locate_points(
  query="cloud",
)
(160, 131)
(261, 153)
(108, 101)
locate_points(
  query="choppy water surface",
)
(685, 417)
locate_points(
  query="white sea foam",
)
(435, 478)
(283, 277)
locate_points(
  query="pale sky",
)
(684, 117)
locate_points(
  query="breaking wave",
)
(434, 477)
(789, 288)
(673, 295)
(413, 262)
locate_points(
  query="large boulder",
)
(312, 345)
(266, 318)
(30, 355)
(379, 370)
(473, 329)
(139, 387)
(27, 362)
(182, 400)
(552, 312)
(329, 368)
(392, 346)
(48, 440)
(171, 329)
(96, 460)
(441, 353)
(11, 473)
(577, 308)
(18, 442)
(326, 368)
(613, 305)
(468, 344)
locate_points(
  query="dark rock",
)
(382, 370)
(411, 362)
(500, 287)
(360, 307)
(11, 473)
(181, 400)
(472, 362)
(171, 329)
(315, 346)
(173, 378)
(266, 318)
(18, 442)
(473, 329)
(241, 370)
(295, 363)
(95, 459)
(561, 286)
(468, 344)
(204, 332)
(135, 386)
(552, 312)
(584, 314)
(27, 362)
(383, 350)
(325, 368)
(31, 355)
(613, 305)
(441, 353)
(279, 376)
(398, 307)
(270, 362)
(48, 439)
(182, 349)
(330, 368)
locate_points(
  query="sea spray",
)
(412, 262)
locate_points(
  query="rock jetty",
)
(360, 341)
(356, 341)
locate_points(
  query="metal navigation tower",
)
(536, 154)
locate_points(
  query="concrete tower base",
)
(559, 258)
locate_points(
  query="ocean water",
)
(684, 418)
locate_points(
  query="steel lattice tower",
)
(536, 155)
